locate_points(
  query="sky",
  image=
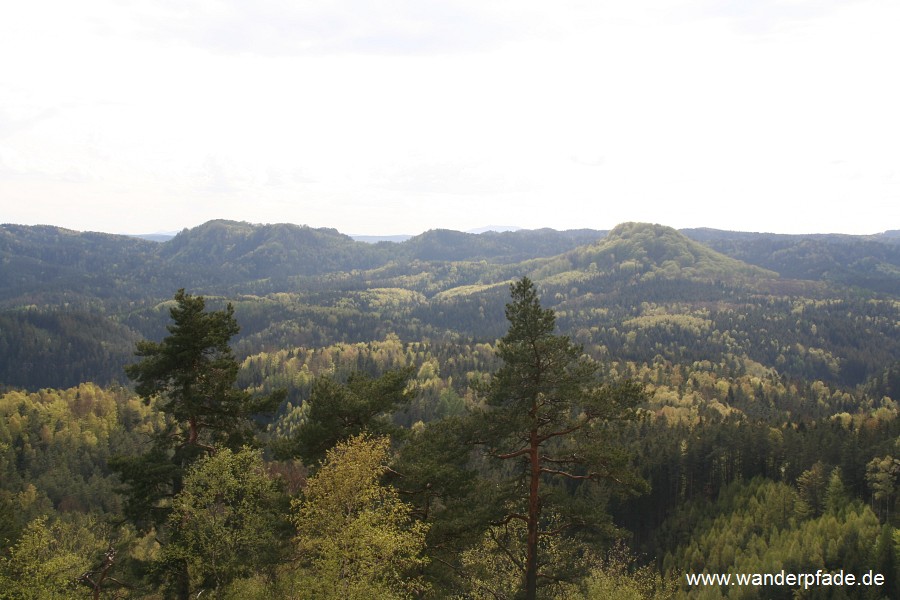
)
(399, 116)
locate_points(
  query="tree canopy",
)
(190, 376)
(544, 415)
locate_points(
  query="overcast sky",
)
(399, 116)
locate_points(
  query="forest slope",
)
(80, 299)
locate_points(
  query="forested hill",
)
(72, 304)
(871, 261)
(45, 265)
(51, 265)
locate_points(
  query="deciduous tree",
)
(355, 538)
(226, 520)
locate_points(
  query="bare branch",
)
(565, 431)
(574, 459)
(508, 518)
(520, 452)
(571, 475)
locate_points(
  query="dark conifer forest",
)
(276, 411)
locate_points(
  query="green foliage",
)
(881, 475)
(56, 443)
(812, 490)
(53, 559)
(507, 246)
(885, 561)
(226, 521)
(190, 377)
(769, 420)
(494, 565)
(865, 261)
(335, 412)
(57, 347)
(644, 251)
(192, 373)
(836, 495)
(544, 418)
(752, 529)
(42, 565)
(447, 490)
(617, 575)
(355, 538)
(690, 302)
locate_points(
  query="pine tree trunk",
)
(534, 515)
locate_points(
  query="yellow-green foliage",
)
(225, 518)
(57, 437)
(356, 539)
(467, 290)
(753, 528)
(50, 555)
(41, 565)
(618, 576)
(298, 367)
(656, 251)
(392, 297)
(494, 567)
(694, 325)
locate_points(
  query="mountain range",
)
(40, 260)
(73, 303)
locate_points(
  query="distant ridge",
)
(496, 228)
(650, 251)
(704, 234)
(700, 234)
(400, 238)
(374, 239)
(72, 303)
(155, 237)
(52, 265)
(867, 261)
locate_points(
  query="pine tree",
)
(336, 412)
(812, 487)
(193, 372)
(191, 377)
(543, 418)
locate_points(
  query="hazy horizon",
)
(408, 116)
(474, 230)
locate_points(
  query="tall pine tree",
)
(543, 419)
(191, 376)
